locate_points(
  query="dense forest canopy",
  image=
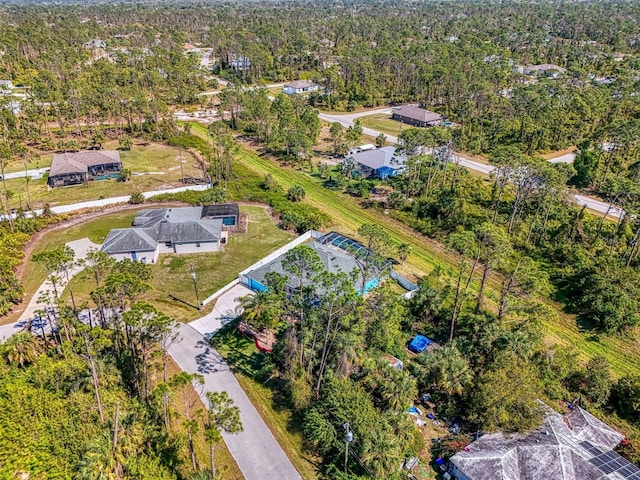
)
(87, 70)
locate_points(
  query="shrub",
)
(136, 198)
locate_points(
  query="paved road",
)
(256, 450)
(591, 203)
(35, 173)
(115, 200)
(223, 312)
(81, 247)
(567, 158)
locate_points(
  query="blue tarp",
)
(419, 343)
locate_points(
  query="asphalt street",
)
(348, 120)
(256, 451)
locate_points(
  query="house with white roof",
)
(299, 87)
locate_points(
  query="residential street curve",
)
(256, 451)
(348, 120)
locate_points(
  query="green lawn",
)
(96, 230)
(622, 352)
(246, 361)
(171, 274)
(158, 163)
(384, 123)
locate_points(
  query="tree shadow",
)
(209, 361)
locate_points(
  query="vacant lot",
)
(384, 123)
(153, 166)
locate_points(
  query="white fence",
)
(113, 200)
(215, 295)
(269, 258)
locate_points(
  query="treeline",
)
(97, 398)
(234, 182)
(524, 226)
(14, 235)
(460, 59)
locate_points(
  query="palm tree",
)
(22, 348)
(454, 372)
(399, 389)
(262, 309)
(446, 369)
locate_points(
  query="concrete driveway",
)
(223, 312)
(81, 248)
(256, 450)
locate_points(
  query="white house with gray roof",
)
(573, 446)
(299, 87)
(167, 230)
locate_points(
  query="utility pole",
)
(181, 169)
(348, 438)
(195, 285)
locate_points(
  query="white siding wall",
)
(191, 247)
(162, 248)
(150, 256)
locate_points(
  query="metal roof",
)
(565, 447)
(380, 157)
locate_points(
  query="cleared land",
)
(153, 167)
(383, 123)
(622, 352)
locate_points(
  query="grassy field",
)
(153, 166)
(171, 274)
(383, 123)
(246, 360)
(623, 352)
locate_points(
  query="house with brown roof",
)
(571, 446)
(418, 117)
(81, 167)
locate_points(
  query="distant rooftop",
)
(543, 67)
(419, 114)
(300, 84)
